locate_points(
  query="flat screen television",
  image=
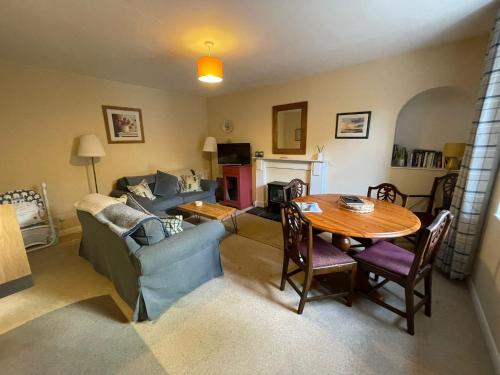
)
(233, 153)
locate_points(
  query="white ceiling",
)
(156, 43)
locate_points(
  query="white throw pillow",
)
(190, 183)
(142, 190)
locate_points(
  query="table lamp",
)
(91, 147)
(453, 153)
(210, 145)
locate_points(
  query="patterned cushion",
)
(190, 183)
(387, 256)
(142, 190)
(325, 254)
(172, 224)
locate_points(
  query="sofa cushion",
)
(166, 185)
(132, 202)
(187, 225)
(195, 196)
(190, 183)
(134, 180)
(172, 224)
(165, 203)
(149, 233)
(142, 189)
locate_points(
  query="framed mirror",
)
(290, 128)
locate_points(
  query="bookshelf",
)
(416, 158)
(420, 168)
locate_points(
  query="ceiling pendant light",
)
(209, 67)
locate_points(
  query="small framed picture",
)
(353, 125)
(123, 125)
(297, 135)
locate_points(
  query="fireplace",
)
(275, 195)
(313, 172)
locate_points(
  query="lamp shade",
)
(454, 150)
(210, 145)
(90, 146)
(210, 69)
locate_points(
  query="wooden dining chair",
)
(312, 255)
(447, 184)
(384, 192)
(405, 268)
(294, 189)
(388, 192)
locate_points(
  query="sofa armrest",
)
(153, 258)
(208, 185)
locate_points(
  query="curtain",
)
(478, 170)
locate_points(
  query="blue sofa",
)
(162, 204)
(150, 278)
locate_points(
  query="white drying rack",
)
(34, 216)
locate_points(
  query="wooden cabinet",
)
(15, 272)
(237, 185)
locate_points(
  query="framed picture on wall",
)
(123, 125)
(353, 125)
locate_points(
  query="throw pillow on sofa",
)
(190, 183)
(142, 190)
(172, 224)
(166, 185)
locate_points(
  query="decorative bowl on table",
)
(364, 208)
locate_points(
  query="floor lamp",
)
(210, 145)
(91, 147)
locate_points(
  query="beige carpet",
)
(88, 337)
(243, 324)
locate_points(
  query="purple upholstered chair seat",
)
(325, 254)
(387, 256)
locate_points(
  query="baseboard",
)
(485, 327)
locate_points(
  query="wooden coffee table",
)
(211, 211)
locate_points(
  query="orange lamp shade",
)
(210, 69)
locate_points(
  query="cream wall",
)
(435, 117)
(44, 111)
(382, 86)
(486, 274)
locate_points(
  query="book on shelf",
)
(426, 159)
(418, 158)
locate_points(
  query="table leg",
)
(235, 223)
(340, 241)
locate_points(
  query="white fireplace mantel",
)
(266, 170)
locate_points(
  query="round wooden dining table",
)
(387, 220)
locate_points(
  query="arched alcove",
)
(434, 117)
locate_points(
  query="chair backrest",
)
(430, 240)
(447, 183)
(388, 192)
(295, 225)
(295, 189)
